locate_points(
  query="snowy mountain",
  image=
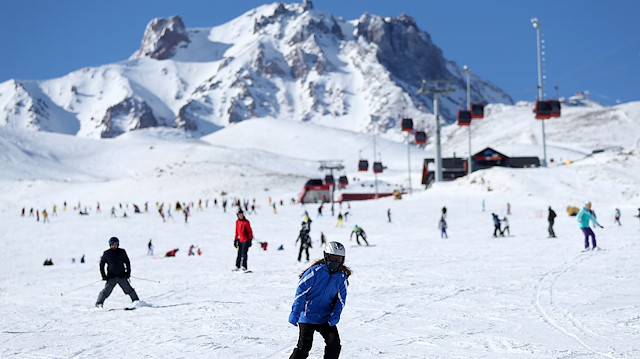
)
(284, 61)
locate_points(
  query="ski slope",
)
(413, 295)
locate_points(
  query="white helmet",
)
(335, 248)
(334, 256)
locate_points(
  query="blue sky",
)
(590, 45)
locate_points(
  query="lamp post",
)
(537, 25)
(467, 71)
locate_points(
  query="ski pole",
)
(148, 280)
(86, 285)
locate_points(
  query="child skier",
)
(320, 298)
(118, 272)
(443, 228)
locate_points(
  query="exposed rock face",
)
(186, 119)
(162, 37)
(130, 114)
(408, 53)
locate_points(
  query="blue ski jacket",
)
(584, 216)
(320, 296)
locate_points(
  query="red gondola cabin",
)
(377, 167)
(421, 138)
(407, 124)
(555, 108)
(363, 165)
(543, 110)
(328, 179)
(477, 110)
(464, 118)
(343, 181)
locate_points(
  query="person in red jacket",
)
(242, 240)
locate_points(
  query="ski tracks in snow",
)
(560, 318)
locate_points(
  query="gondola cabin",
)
(328, 179)
(543, 110)
(363, 165)
(464, 118)
(555, 108)
(477, 110)
(343, 181)
(407, 124)
(377, 167)
(421, 138)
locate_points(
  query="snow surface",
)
(413, 295)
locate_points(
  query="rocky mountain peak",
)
(162, 37)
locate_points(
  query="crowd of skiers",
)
(322, 288)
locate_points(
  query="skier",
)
(320, 298)
(242, 240)
(617, 217)
(389, 214)
(191, 252)
(443, 228)
(45, 216)
(118, 272)
(305, 242)
(551, 219)
(506, 227)
(323, 239)
(339, 223)
(584, 216)
(496, 225)
(359, 234)
(150, 248)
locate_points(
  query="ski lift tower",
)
(330, 165)
(537, 24)
(436, 87)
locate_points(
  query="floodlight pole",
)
(537, 25)
(436, 91)
(468, 72)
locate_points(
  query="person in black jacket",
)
(551, 218)
(118, 272)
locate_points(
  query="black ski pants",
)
(305, 341)
(303, 248)
(111, 283)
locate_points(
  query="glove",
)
(251, 240)
(235, 243)
(293, 319)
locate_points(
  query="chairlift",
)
(543, 110)
(464, 118)
(421, 137)
(555, 108)
(377, 167)
(477, 110)
(407, 124)
(328, 179)
(363, 165)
